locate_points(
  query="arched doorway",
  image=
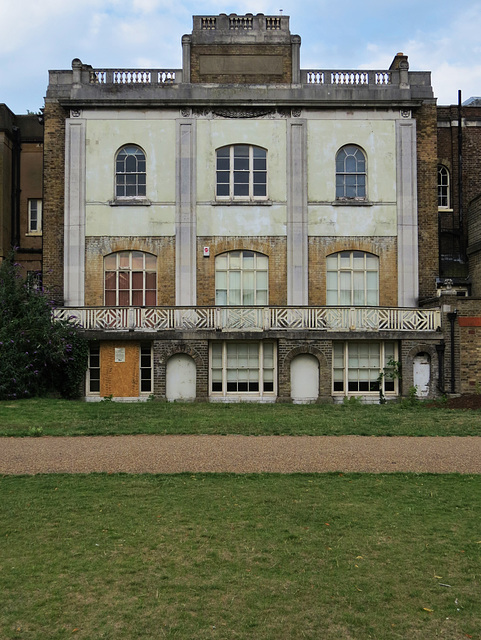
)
(180, 378)
(422, 374)
(304, 378)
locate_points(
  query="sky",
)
(41, 35)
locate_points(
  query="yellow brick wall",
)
(273, 247)
(385, 248)
(97, 248)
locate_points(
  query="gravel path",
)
(239, 454)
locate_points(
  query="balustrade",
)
(252, 318)
(350, 78)
(149, 77)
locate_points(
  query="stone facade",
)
(240, 114)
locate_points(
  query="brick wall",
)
(53, 199)
(426, 126)
(467, 342)
(273, 247)
(199, 352)
(227, 51)
(383, 247)
(474, 245)
(288, 349)
(96, 248)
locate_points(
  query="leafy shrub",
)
(37, 355)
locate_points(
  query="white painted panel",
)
(104, 220)
(304, 378)
(376, 137)
(345, 220)
(105, 137)
(236, 220)
(422, 374)
(180, 378)
(270, 134)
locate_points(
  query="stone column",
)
(74, 219)
(407, 213)
(297, 226)
(185, 220)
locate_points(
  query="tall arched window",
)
(444, 188)
(130, 279)
(352, 279)
(241, 171)
(241, 277)
(130, 172)
(350, 173)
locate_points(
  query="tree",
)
(37, 354)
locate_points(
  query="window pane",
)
(223, 164)
(110, 299)
(222, 190)
(124, 280)
(150, 261)
(137, 279)
(137, 298)
(150, 298)
(241, 150)
(124, 299)
(124, 258)
(260, 190)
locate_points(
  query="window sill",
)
(242, 203)
(348, 202)
(130, 202)
(34, 234)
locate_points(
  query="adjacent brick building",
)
(21, 174)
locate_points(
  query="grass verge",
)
(69, 418)
(238, 557)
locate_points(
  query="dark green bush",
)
(37, 355)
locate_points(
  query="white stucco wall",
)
(377, 138)
(217, 219)
(103, 139)
(155, 132)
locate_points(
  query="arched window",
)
(241, 172)
(352, 279)
(241, 277)
(130, 279)
(444, 188)
(130, 172)
(350, 173)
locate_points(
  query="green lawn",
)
(63, 417)
(270, 557)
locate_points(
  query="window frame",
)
(146, 371)
(129, 271)
(443, 171)
(37, 210)
(260, 295)
(139, 187)
(232, 168)
(344, 174)
(341, 357)
(94, 355)
(219, 369)
(352, 271)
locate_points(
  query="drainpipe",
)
(452, 317)
(15, 213)
(460, 175)
(440, 348)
